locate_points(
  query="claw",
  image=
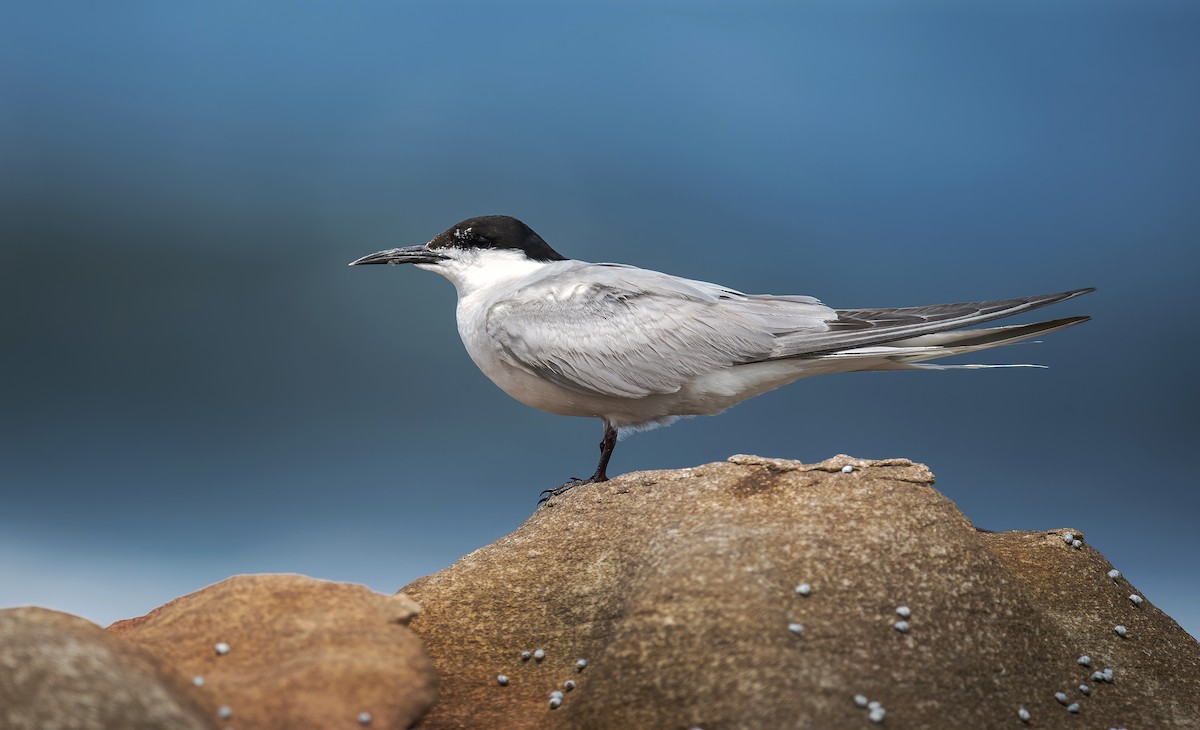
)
(556, 491)
(564, 488)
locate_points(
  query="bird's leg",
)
(607, 444)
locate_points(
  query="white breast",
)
(525, 387)
(482, 279)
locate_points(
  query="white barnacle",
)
(877, 714)
(1084, 689)
(539, 654)
(1137, 600)
(1108, 674)
(555, 702)
(569, 685)
(902, 626)
(1097, 676)
(224, 712)
(1114, 574)
(502, 680)
(1068, 537)
(1024, 715)
(1061, 697)
(903, 611)
(1073, 707)
(1121, 630)
(556, 693)
(221, 648)
(581, 664)
(874, 705)
(860, 700)
(847, 468)
(364, 718)
(198, 680)
(526, 655)
(797, 629)
(1084, 661)
(804, 589)
(1077, 543)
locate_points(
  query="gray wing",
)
(865, 327)
(613, 330)
(608, 329)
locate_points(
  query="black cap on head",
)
(496, 231)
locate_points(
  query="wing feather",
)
(614, 330)
(864, 327)
(621, 331)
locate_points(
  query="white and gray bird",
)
(638, 348)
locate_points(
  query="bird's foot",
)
(566, 487)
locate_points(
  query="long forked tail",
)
(861, 328)
(909, 354)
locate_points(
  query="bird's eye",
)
(469, 237)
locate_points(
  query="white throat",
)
(477, 270)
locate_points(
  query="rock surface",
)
(299, 652)
(60, 672)
(680, 590)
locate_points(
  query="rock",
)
(678, 587)
(1159, 671)
(301, 653)
(61, 672)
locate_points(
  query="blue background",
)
(195, 385)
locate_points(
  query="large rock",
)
(60, 672)
(298, 652)
(680, 589)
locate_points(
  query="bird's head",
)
(484, 241)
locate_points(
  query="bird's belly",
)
(706, 395)
(543, 394)
(548, 396)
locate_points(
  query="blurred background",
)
(194, 384)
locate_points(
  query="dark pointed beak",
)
(406, 255)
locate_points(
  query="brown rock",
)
(60, 672)
(678, 587)
(302, 653)
(1156, 663)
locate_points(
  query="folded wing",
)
(607, 329)
(631, 332)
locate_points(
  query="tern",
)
(638, 348)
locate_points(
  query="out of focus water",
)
(195, 385)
